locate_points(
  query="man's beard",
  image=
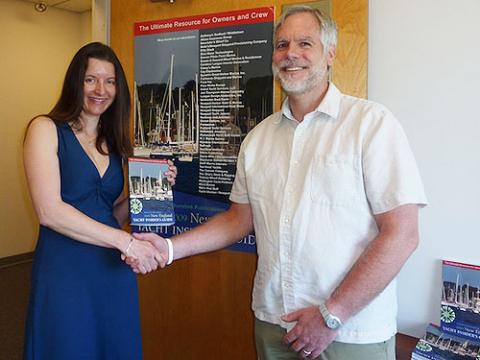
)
(317, 73)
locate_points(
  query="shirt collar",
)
(330, 105)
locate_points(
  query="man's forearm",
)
(220, 231)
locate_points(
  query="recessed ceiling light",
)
(40, 6)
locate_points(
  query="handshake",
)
(146, 252)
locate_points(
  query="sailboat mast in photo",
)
(176, 122)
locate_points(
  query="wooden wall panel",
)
(199, 308)
(351, 64)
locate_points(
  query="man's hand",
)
(143, 257)
(310, 336)
(158, 242)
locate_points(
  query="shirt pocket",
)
(336, 182)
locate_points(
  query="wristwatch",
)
(332, 321)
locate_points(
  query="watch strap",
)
(333, 322)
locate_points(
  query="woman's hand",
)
(172, 172)
(142, 256)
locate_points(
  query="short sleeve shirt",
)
(314, 188)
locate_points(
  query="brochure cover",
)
(438, 345)
(460, 306)
(150, 194)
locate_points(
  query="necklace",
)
(90, 140)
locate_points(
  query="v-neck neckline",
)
(101, 176)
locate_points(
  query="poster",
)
(201, 84)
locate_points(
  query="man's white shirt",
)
(314, 188)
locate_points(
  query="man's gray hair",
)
(328, 28)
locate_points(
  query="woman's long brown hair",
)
(114, 123)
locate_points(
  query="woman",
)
(84, 302)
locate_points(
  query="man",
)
(332, 191)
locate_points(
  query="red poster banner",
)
(209, 21)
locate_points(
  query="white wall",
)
(424, 64)
(36, 49)
(101, 21)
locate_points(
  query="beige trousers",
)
(268, 338)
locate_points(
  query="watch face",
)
(333, 323)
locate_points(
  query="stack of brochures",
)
(458, 337)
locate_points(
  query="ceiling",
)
(69, 5)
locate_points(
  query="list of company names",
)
(224, 58)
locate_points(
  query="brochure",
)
(460, 305)
(150, 193)
(438, 345)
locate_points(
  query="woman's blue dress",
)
(84, 299)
